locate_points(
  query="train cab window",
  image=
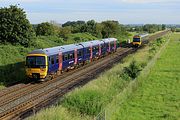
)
(57, 59)
(52, 60)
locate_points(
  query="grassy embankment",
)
(88, 101)
(12, 57)
(158, 96)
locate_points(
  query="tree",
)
(45, 28)
(91, 27)
(163, 26)
(77, 26)
(65, 31)
(110, 28)
(15, 28)
(98, 30)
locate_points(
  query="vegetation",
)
(92, 98)
(12, 66)
(158, 96)
(45, 29)
(132, 70)
(150, 28)
(15, 27)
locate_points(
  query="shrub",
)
(132, 70)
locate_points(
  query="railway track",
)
(18, 101)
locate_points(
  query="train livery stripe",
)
(60, 61)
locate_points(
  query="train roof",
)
(91, 43)
(56, 50)
(141, 35)
(107, 40)
(71, 47)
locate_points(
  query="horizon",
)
(123, 11)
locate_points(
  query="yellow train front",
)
(137, 39)
(36, 66)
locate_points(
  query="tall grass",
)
(158, 96)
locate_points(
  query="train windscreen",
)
(136, 39)
(35, 62)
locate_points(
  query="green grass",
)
(92, 98)
(12, 63)
(158, 96)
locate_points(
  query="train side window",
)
(80, 53)
(71, 56)
(57, 59)
(52, 60)
(63, 58)
(94, 48)
(97, 48)
(102, 47)
(66, 56)
(88, 50)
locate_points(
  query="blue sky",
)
(124, 11)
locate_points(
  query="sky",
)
(124, 11)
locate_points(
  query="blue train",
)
(43, 63)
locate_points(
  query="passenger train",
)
(44, 63)
(137, 39)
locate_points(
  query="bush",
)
(132, 70)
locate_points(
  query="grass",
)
(158, 96)
(92, 98)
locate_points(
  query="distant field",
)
(159, 96)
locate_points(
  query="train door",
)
(75, 57)
(99, 50)
(114, 46)
(52, 65)
(109, 48)
(91, 53)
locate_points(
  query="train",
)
(137, 39)
(45, 63)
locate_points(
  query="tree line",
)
(104, 29)
(16, 29)
(150, 28)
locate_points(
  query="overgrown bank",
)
(88, 101)
(157, 97)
